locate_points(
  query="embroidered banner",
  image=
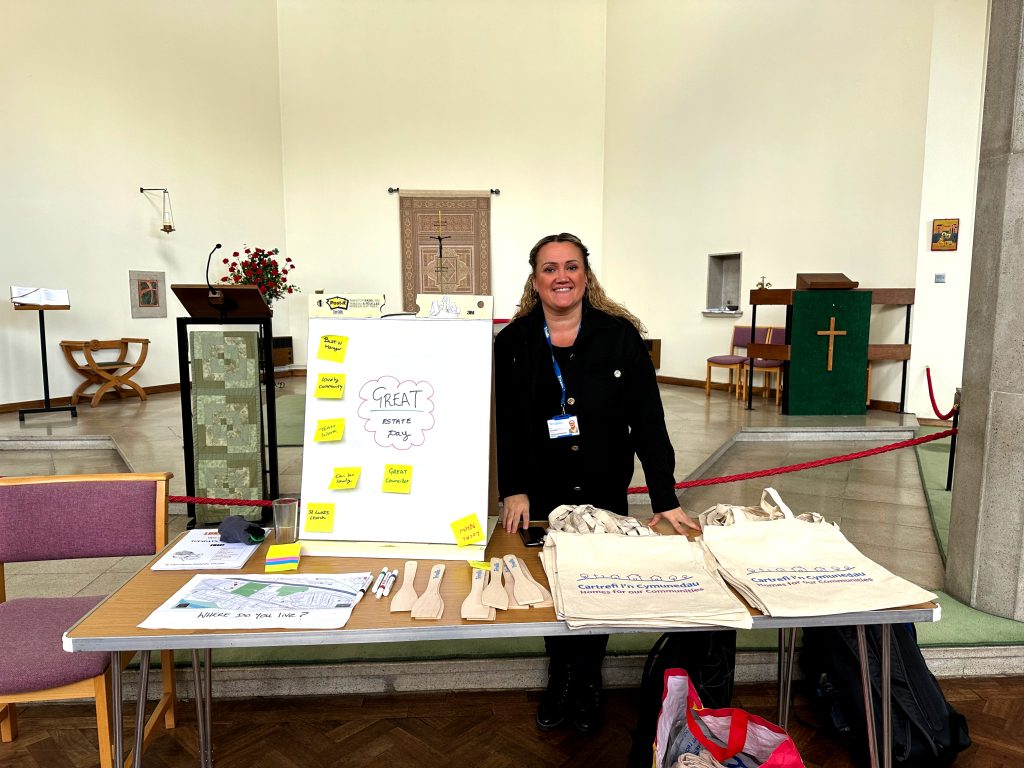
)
(462, 221)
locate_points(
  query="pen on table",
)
(362, 589)
(380, 579)
(390, 582)
(379, 592)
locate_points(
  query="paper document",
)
(201, 549)
(261, 601)
(43, 297)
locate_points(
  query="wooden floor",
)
(483, 730)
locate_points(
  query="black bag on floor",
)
(927, 731)
(710, 660)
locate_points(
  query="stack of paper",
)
(791, 567)
(631, 581)
(201, 550)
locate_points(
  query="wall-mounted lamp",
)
(168, 214)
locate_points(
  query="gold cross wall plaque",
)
(831, 333)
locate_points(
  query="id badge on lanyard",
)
(562, 425)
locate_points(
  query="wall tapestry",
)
(463, 222)
(148, 293)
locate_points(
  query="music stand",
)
(47, 407)
(226, 305)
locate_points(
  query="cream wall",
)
(102, 98)
(809, 136)
(455, 95)
(949, 190)
(791, 131)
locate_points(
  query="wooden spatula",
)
(406, 596)
(513, 604)
(547, 602)
(494, 594)
(429, 605)
(525, 591)
(472, 606)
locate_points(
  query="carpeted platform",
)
(933, 461)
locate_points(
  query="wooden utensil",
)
(429, 605)
(513, 604)
(547, 602)
(472, 606)
(494, 594)
(525, 591)
(406, 596)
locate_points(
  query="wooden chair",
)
(72, 516)
(106, 373)
(733, 361)
(767, 367)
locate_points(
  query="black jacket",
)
(610, 381)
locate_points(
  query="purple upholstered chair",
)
(55, 518)
(733, 361)
(766, 367)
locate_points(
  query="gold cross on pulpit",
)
(831, 333)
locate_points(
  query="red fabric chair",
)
(56, 518)
(733, 361)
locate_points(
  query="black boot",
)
(587, 715)
(554, 704)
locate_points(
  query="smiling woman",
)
(576, 397)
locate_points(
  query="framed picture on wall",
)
(944, 234)
(148, 293)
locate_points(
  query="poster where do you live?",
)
(397, 427)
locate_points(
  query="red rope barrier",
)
(806, 464)
(223, 502)
(931, 394)
(643, 488)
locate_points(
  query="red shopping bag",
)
(732, 736)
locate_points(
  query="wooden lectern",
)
(227, 305)
(827, 355)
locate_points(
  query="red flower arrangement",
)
(262, 269)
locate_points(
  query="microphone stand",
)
(224, 306)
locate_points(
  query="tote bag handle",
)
(774, 500)
(737, 734)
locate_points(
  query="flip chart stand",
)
(47, 408)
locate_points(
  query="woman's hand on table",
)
(516, 511)
(679, 520)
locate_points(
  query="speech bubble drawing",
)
(398, 413)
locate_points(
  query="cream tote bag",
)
(649, 581)
(789, 567)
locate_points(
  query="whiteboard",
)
(411, 456)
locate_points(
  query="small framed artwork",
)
(148, 293)
(944, 234)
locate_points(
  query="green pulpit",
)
(829, 352)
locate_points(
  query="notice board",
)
(397, 429)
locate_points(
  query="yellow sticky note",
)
(319, 517)
(329, 430)
(283, 557)
(344, 478)
(333, 348)
(330, 386)
(467, 530)
(479, 565)
(397, 478)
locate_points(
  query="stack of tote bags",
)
(785, 566)
(612, 580)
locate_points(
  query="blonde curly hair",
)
(594, 294)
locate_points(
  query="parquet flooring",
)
(483, 730)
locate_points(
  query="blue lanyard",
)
(554, 363)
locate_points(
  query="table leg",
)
(208, 659)
(140, 708)
(886, 698)
(200, 689)
(865, 684)
(787, 657)
(115, 707)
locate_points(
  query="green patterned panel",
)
(226, 424)
(813, 388)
